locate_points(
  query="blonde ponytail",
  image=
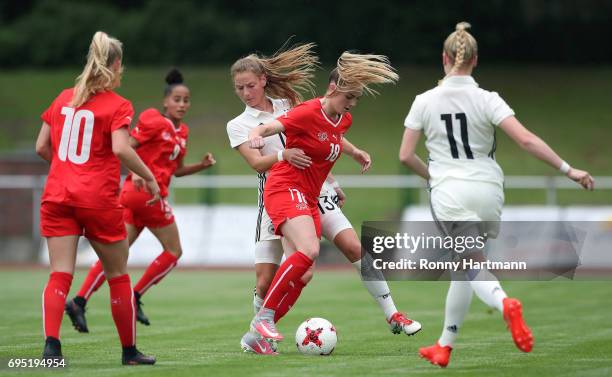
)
(288, 71)
(460, 46)
(98, 74)
(355, 72)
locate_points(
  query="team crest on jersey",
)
(166, 135)
(301, 206)
(322, 136)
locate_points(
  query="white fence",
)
(551, 185)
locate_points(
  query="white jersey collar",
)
(276, 105)
(462, 80)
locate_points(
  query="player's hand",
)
(341, 196)
(208, 160)
(297, 158)
(153, 188)
(581, 177)
(256, 142)
(363, 158)
(138, 181)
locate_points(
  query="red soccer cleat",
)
(436, 354)
(521, 334)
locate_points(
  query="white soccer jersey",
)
(458, 120)
(238, 128)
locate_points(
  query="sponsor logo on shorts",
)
(301, 206)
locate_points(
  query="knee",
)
(175, 250)
(353, 251)
(111, 272)
(311, 249)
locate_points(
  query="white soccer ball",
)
(316, 336)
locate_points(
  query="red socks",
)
(156, 271)
(123, 309)
(288, 301)
(54, 299)
(289, 273)
(94, 280)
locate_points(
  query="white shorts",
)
(463, 200)
(333, 220)
(268, 246)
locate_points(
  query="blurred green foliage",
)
(43, 33)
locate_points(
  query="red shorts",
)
(136, 211)
(287, 204)
(105, 226)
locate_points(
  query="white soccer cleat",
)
(253, 343)
(399, 323)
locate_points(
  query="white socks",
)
(458, 300)
(487, 288)
(379, 290)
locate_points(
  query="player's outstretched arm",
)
(43, 143)
(407, 153)
(362, 157)
(128, 156)
(207, 161)
(257, 134)
(536, 147)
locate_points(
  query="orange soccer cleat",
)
(436, 354)
(521, 334)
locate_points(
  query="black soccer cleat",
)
(76, 311)
(53, 349)
(131, 356)
(140, 316)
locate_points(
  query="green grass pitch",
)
(199, 316)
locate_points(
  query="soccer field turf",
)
(198, 318)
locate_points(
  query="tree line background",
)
(55, 33)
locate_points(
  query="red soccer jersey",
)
(307, 127)
(162, 146)
(84, 171)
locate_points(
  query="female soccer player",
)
(84, 135)
(160, 139)
(259, 82)
(459, 121)
(316, 127)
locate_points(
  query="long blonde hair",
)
(288, 71)
(460, 46)
(98, 74)
(356, 72)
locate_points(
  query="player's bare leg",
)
(76, 308)
(349, 244)
(264, 273)
(168, 237)
(302, 234)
